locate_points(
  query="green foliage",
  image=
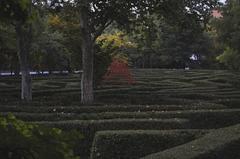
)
(228, 33)
(169, 43)
(14, 10)
(48, 49)
(128, 144)
(29, 141)
(230, 58)
(67, 24)
(116, 44)
(8, 50)
(159, 95)
(57, 44)
(101, 62)
(109, 46)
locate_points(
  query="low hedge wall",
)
(132, 98)
(232, 103)
(119, 124)
(135, 144)
(108, 108)
(192, 95)
(219, 144)
(89, 128)
(207, 119)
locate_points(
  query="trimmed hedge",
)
(135, 144)
(153, 86)
(89, 128)
(180, 89)
(207, 119)
(232, 103)
(153, 98)
(219, 144)
(108, 108)
(118, 124)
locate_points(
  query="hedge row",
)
(135, 144)
(39, 92)
(143, 99)
(109, 108)
(119, 124)
(197, 118)
(232, 103)
(89, 128)
(219, 144)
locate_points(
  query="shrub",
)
(21, 140)
(101, 62)
(133, 144)
(230, 58)
(110, 46)
(90, 127)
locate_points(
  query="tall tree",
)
(87, 55)
(228, 34)
(19, 14)
(97, 15)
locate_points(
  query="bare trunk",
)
(23, 43)
(87, 58)
(143, 62)
(26, 93)
(15, 65)
(69, 69)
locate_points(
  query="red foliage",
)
(119, 68)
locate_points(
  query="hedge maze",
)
(166, 114)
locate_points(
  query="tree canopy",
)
(228, 34)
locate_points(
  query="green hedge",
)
(153, 86)
(108, 108)
(118, 124)
(197, 118)
(89, 128)
(232, 103)
(131, 98)
(219, 144)
(135, 144)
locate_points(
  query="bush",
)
(101, 62)
(21, 140)
(230, 58)
(116, 45)
(134, 144)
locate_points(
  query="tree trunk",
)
(15, 65)
(69, 68)
(23, 45)
(87, 57)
